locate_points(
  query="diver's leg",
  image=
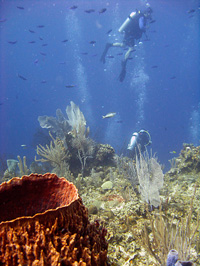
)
(127, 55)
(118, 44)
(103, 57)
(107, 47)
(123, 63)
(123, 71)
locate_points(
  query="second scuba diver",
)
(132, 28)
(138, 143)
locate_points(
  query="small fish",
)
(172, 152)
(20, 7)
(84, 53)
(32, 42)
(3, 20)
(119, 121)
(73, 7)
(41, 39)
(108, 115)
(31, 31)
(191, 11)
(109, 31)
(43, 54)
(92, 42)
(152, 21)
(154, 66)
(65, 40)
(12, 42)
(89, 11)
(36, 61)
(120, 54)
(43, 81)
(23, 146)
(102, 10)
(173, 77)
(110, 56)
(70, 86)
(40, 26)
(21, 77)
(44, 44)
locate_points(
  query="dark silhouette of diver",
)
(138, 143)
(133, 28)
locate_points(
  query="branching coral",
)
(85, 149)
(23, 168)
(168, 233)
(55, 153)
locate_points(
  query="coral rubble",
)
(44, 222)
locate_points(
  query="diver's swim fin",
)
(103, 57)
(123, 71)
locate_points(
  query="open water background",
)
(161, 92)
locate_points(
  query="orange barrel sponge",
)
(44, 222)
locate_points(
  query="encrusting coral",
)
(44, 222)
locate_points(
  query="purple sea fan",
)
(172, 257)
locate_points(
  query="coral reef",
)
(168, 234)
(104, 155)
(128, 219)
(188, 161)
(44, 222)
(79, 153)
(113, 189)
(15, 168)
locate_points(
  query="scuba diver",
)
(132, 28)
(138, 143)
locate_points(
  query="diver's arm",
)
(142, 24)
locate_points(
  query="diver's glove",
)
(123, 71)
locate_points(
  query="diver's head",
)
(148, 11)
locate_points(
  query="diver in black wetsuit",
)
(138, 143)
(133, 28)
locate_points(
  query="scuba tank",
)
(127, 22)
(133, 141)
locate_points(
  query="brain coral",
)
(44, 222)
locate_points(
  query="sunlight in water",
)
(74, 31)
(138, 84)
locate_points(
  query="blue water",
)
(160, 93)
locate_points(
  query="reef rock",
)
(44, 222)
